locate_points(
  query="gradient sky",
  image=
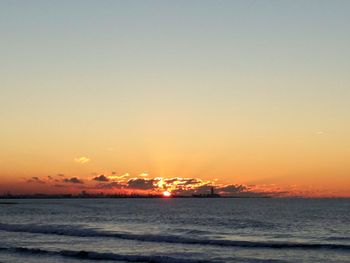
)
(246, 92)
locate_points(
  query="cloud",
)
(73, 180)
(82, 160)
(183, 181)
(141, 184)
(187, 185)
(112, 185)
(36, 179)
(156, 185)
(176, 185)
(204, 189)
(231, 189)
(118, 177)
(101, 178)
(190, 186)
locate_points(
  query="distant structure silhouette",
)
(211, 194)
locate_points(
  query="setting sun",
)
(166, 194)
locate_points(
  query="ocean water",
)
(175, 230)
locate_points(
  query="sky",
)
(250, 96)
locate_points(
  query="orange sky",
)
(232, 93)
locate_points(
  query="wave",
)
(90, 255)
(67, 230)
(104, 256)
(338, 238)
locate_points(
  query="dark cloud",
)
(177, 186)
(36, 179)
(142, 184)
(191, 181)
(249, 194)
(198, 189)
(231, 189)
(247, 191)
(203, 189)
(101, 178)
(61, 175)
(171, 180)
(73, 180)
(112, 185)
(184, 181)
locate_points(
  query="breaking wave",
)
(66, 230)
(104, 256)
(90, 255)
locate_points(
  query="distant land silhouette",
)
(101, 195)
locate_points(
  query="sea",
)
(188, 230)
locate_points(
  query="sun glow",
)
(166, 194)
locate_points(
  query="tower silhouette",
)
(212, 190)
